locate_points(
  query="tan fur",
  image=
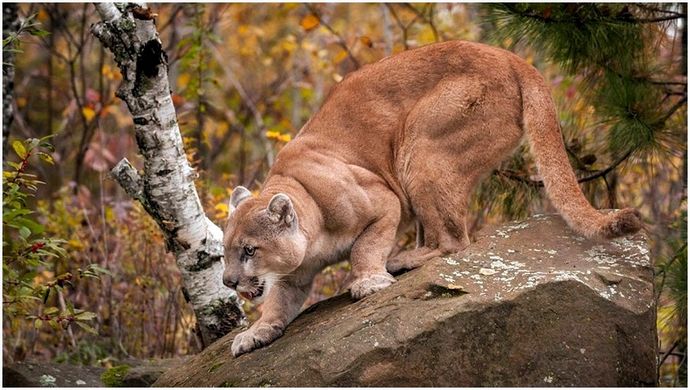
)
(405, 139)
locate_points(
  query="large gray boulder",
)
(529, 304)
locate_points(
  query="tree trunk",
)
(166, 189)
(10, 24)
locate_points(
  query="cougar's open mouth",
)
(255, 293)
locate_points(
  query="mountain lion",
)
(401, 140)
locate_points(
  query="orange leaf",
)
(309, 22)
(177, 100)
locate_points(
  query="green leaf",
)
(44, 140)
(18, 147)
(85, 316)
(24, 232)
(86, 327)
(51, 311)
(53, 324)
(38, 323)
(35, 227)
(46, 157)
(38, 32)
(32, 143)
(99, 270)
(70, 307)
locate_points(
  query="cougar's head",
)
(262, 243)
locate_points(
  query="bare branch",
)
(261, 127)
(341, 41)
(128, 178)
(427, 19)
(107, 11)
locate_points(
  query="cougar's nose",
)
(230, 281)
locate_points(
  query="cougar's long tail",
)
(544, 136)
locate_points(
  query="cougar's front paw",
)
(255, 337)
(364, 286)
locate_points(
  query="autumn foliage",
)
(87, 278)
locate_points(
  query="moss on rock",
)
(113, 377)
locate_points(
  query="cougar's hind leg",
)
(441, 216)
(454, 136)
(411, 259)
(450, 238)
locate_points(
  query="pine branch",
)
(668, 82)
(648, 7)
(623, 17)
(673, 109)
(539, 183)
(660, 19)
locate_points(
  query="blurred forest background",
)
(86, 276)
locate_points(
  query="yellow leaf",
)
(288, 45)
(285, 138)
(76, 244)
(109, 214)
(272, 134)
(221, 210)
(309, 22)
(111, 73)
(183, 80)
(89, 113)
(340, 57)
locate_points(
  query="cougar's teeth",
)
(255, 294)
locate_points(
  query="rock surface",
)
(146, 373)
(26, 374)
(130, 373)
(529, 304)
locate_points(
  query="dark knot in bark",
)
(150, 56)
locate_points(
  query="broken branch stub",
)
(166, 188)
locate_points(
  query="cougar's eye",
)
(249, 250)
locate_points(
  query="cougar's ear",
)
(280, 210)
(238, 195)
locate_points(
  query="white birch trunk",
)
(166, 189)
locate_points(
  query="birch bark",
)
(166, 189)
